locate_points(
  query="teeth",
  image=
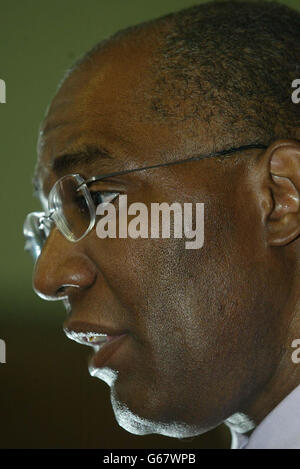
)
(93, 339)
(93, 336)
(87, 338)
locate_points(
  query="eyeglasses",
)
(72, 206)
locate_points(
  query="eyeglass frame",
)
(46, 218)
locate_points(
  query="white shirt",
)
(280, 429)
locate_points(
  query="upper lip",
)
(91, 334)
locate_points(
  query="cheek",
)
(204, 323)
(179, 301)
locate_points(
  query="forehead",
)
(106, 105)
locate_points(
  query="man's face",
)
(196, 339)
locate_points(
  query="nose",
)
(62, 268)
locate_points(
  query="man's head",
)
(200, 334)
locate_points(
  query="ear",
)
(283, 217)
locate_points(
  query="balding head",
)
(227, 64)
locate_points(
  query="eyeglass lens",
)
(71, 205)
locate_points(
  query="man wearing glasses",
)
(192, 107)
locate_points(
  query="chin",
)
(137, 424)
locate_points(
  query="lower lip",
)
(100, 358)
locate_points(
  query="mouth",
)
(94, 339)
(104, 344)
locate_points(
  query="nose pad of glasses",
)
(35, 237)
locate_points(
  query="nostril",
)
(62, 290)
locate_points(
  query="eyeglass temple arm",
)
(193, 158)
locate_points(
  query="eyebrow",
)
(86, 155)
(67, 160)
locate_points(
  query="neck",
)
(283, 382)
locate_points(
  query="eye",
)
(102, 197)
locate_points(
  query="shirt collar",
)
(280, 429)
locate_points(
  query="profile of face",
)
(194, 336)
